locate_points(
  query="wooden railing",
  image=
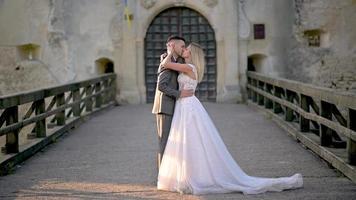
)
(323, 119)
(47, 113)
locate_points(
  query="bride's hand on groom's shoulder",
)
(163, 55)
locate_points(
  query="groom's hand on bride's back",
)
(186, 93)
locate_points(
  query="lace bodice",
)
(187, 83)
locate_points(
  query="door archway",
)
(193, 27)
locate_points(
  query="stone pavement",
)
(112, 156)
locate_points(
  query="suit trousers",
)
(163, 126)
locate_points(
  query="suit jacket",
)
(166, 91)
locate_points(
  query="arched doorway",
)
(194, 28)
(104, 65)
(257, 62)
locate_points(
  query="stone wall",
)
(22, 75)
(333, 64)
(277, 16)
(72, 35)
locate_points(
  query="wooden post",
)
(40, 128)
(326, 132)
(12, 138)
(315, 107)
(98, 98)
(277, 108)
(105, 94)
(60, 116)
(268, 103)
(76, 97)
(112, 89)
(249, 92)
(260, 97)
(88, 102)
(304, 124)
(289, 112)
(351, 144)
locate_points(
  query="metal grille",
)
(259, 31)
(194, 28)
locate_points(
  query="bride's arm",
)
(179, 67)
(166, 63)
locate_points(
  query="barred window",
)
(259, 31)
(313, 37)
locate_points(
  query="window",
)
(313, 37)
(259, 31)
(104, 65)
(28, 52)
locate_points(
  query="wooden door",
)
(193, 27)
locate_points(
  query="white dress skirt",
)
(197, 161)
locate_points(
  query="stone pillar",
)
(140, 70)
(244, 33)
(243, 68)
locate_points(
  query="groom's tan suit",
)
(167, 93)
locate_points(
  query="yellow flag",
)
(127, 15)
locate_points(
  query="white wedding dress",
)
(197, 161)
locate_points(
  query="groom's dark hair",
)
(175, 37)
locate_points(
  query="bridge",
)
(73, 142)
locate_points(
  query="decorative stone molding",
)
(211, 3)
(179, 3)
(148, 3)
(244, 24)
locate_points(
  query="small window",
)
(259, 31)
(28, 52)
(313, 37)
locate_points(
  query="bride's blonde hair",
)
(198, 59)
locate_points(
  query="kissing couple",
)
(192, 157)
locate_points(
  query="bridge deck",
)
(112, 156)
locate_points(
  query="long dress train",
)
(197, 161)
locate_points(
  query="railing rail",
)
(323, 119)
(52, 111)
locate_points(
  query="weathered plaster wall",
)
(333, 64)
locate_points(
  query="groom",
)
(167, 93)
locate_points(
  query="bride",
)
(196, 159)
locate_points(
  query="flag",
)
(127, 15)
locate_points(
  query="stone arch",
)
(226, 71)
(157, 10)
(104, 65)
(194, 27)
(257, 62)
